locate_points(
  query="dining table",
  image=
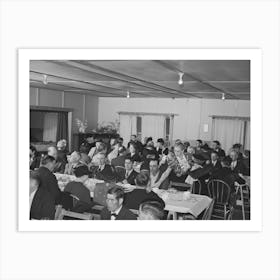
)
(175, 201)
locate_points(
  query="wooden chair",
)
(208, 211)
(96, 211)
(74, 215)
(243, 198)
(219, 191)
(196, 187)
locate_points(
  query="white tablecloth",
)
(181, 202)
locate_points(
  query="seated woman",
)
(73, 162)
(181, 164)
(133, 153)
(34, 158)
(42, 204)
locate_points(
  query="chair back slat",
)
(219, 191)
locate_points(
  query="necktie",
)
(114, 216)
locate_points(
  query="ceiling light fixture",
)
(181, 82)
(127, 94)
(223, 96)
(45, 79)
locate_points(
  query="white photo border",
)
(24, 57)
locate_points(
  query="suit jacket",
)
(132, 200)
(35, 163)
(124, 214)
(131, 178)
(107, 174)
(43, 205)
(215, 168)
(49, 183)
(221, 153)
(240, 167)
(118, 161)
(227, 175)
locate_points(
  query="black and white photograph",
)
(140, 139)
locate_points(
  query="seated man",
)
(62, 150)
(161, 150)
(120, 159)
(214, 164)
(48, 179)
(98, 147)
(237, 165)
(34, 158)
(115, 209)
(41, 202)
(59, 163)
(142, 193)
(151, 210)
(216, 146)
(130, 175)
(78, 189)
(227, 175)
(103, 171)
(149, 152)
(73, 162)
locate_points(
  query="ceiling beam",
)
(126, 78)
(172, 68)
(121, 94)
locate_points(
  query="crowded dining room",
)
(139, 140)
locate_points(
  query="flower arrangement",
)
(82, 126)
(107, 127)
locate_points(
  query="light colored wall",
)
(87, 108)
(192, 113)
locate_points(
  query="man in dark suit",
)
(115, 209)
(149, 152)
(160, 149)
(103, 171)
(216, 146)
(48, 179)
(227, 175)
(130, 175)
(237, 165)
(119, 161)
(142, 193)
(34, 158)
(41, 203)
(214, 164)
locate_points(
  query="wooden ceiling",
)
(145, 78)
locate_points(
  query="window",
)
(139, 128)
(167, 129)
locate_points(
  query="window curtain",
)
(247, 136)
(153, 126)
(62, 126)
(228, 132)
(127, 127)
(50, 127)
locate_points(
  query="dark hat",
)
(198, 158)
(81, 171)
(122, 150)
